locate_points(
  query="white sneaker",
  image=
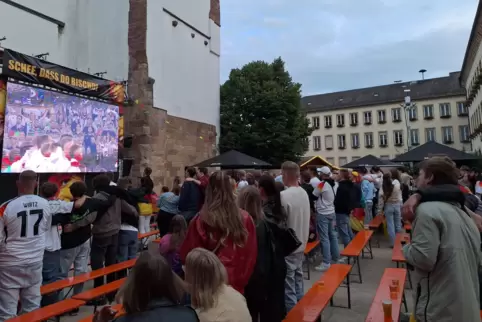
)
(342, 260)
(323, 267)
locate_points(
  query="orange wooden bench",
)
(97, 292)
(375, 223)
(49, 311)
(397, 254)
(117, 307)
(383, 293)
(308, 249)
(82, 278)
(356, 247)
(148, 234)
(312, 304)
(145, 237)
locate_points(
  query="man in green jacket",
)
(444, 252)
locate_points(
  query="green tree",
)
(261, 113)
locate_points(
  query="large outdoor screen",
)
(51, 132)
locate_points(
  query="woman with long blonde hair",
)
(265, 292)
(226, 230)
(213, 300)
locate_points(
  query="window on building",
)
(355, 158)
(340, 120)
(330, 160)
(428, 112)
(315, 121)
(464, 133)
(412, 113)
(430, 134)
(341, 141)
(383, 139)
(317, 143)
(369, 140)
(445, 110)
(448, 134)
(329, 142)
(342, 161)
(398, 138)
(353, 119)
(382, 116)
(355, 141)
(367, 118)
(462, 110)
(414, 139)
(328, 121)
(396, 114)
(385, 157)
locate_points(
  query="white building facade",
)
(352, 124)
(471, 79)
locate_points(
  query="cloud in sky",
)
(332, 45)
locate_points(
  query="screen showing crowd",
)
(51, 132)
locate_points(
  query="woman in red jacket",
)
(226, 230)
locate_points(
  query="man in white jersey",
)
(296, 205)
(24, 222)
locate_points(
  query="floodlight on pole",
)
(422, 71)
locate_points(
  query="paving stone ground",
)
(361, 294)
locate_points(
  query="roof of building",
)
(431, 149)
(386, 94)
(473, 45)
(368, 160)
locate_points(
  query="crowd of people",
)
(232, 243)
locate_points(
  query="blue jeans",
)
(51, 272)
(344, 229)
(79, 256)
(294, 279)
(368, 212)
(127, 245)
(394, 220)
(325, 225)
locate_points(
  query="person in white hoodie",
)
(296, 204)
(51, 271)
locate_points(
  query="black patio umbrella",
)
(233, 160)
(367, 161)
(431, 149)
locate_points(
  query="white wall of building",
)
(338, 156)
(185, 69)
(95, 40)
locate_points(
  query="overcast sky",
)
(333, 45)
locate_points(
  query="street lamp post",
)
(407, 106)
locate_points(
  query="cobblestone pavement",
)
(361, 294)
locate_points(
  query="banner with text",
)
(38, 71)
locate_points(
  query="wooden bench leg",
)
(409, 279)
(359, 269)
(357, 262)
(348, 290)
(369, 249)
(404, 300)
